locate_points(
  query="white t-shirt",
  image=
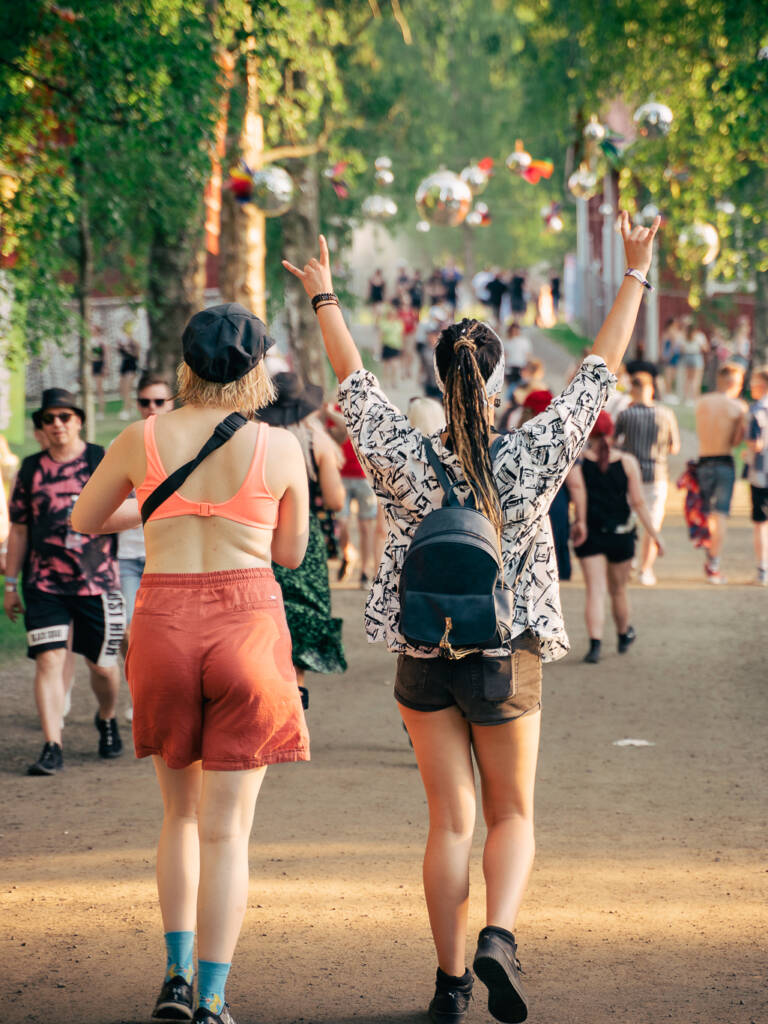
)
(517, 351)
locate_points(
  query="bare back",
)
(193, 543)
(719, 423)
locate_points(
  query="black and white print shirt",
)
(529, 466)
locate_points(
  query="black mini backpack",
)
(452, 590)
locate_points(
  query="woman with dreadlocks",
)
(486, 704)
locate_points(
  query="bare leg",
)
(506, 756)
(380, 535)
(366, 529)
(441, 742)
(105, 683)
(227, 803)
(761, 544)
(49, 692)
(618, 577)
(594, 570)
(717, 524)
(178, 851)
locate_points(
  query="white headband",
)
(495, 382)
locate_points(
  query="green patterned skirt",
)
(315, 634)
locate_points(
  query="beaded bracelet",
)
(324, 298)
(321, 304)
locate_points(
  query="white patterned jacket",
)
(529, 466)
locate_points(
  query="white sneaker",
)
(646, 578)
(761, 579)
(129, 713)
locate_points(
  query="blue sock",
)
(211, 981)
(180, 948)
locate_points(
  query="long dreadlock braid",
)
(466, 355)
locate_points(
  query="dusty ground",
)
(647, 901)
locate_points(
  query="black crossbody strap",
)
(172, 483)
(442, 476)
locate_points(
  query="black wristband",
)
(324, 297)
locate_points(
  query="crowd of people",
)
(690, 358)
(197, 546)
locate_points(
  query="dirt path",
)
(647, 901)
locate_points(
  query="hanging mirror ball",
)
(473, 219)
(653, 120)
(273, 190)
(555, 224)
(726, 206)
(649, 213)
(518, 161)
(443, 198)
(384, 177)
(605, 210)
(482, 209)
(422, 226)
(593, 130)
(475, 177)
(382, 163)
(379, 208)
(583, 183)
(701, 242)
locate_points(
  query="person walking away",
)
(391, 337)
(671, 339)
(153, 398)
(416, 291)
(693, 349)
(357, 490)
(741, 343)
(209, 664)
(614, 491)
(496, 289)
(376, 293)
(757, 443)
(99, 364)
(409, 317)
(518, 350)
(129, 351)
(315, 634)
(720, 427)
(452, 277)
(487, 703)
(71, 579)
(554, 286)
(649, 432)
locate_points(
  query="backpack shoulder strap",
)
(220, 436)
(94, 453)
(442, 477)
(27, 470)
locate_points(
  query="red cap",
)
(603, 426)
(537, 401)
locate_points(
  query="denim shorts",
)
(131, 570)
(486, 690)
(358, 489)
(717, 475)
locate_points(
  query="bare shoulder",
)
(630, 463)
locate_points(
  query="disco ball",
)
(379, 208)
(726, 206)
(653, 120)
(473, 219)
(593, 130)
(555, 224)
(701, 242)
(482, 209)
(583, 183)
(605, 210)
(384, 177)
(273, 190)
(382, 163)
(518, 161)
(475, 177)
(443, 198)
(649, 213)
(422, 226)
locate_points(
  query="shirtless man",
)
(720, 427)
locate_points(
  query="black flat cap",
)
(294, 401)
(223, 343)
(642, 366)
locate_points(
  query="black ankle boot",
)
(593, 654)
(626, 639)
(452, 996)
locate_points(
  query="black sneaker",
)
(175, 1000)
(304, 693)
(203, 1016)
(51, 760)
(626, 640)
(592, 657)
(451, 1002)
(110, 744)
(497, 966)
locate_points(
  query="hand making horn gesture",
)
(316, 275)
(638, 242)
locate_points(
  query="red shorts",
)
(210, 672)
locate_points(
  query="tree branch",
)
(292, 152)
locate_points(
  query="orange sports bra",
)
(253, 505)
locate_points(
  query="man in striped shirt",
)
(649, 432)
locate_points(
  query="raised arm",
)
(339, 344)
(613, 337)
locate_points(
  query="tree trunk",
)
(300, 228)
(83, 296)
(760, 336)
(175, 288)
(242, 245)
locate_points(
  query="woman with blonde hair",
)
(209, 664)
(485, 703)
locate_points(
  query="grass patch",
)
(13, 638)
(563, 335)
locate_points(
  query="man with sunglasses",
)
(649, 432)
(71, 580)
(153, 398)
